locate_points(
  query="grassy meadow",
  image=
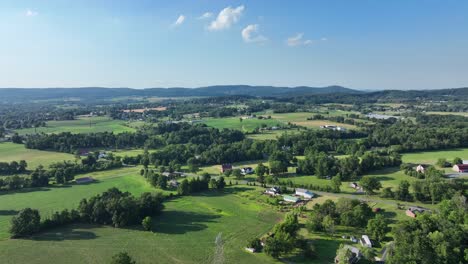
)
(431, 157)
(246, 125)
(11, 151)
(83, 125)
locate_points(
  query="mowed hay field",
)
(301, 120)
(184, 233)
(431, 157)
(16, 152)
(246, 125)
(83, 125)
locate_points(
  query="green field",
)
(430, 157)
(183, 233)
(271, 134)
(83, 125)
(10, 151)
(300, 119)
(50, 199)
(247, 125)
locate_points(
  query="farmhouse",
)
(226, 167)
(355, 254)
(272, 191)
(421, 168)
(247, 170)
(290, 199)
(460, 168)
(365, 241)
(354, 185)
(84, 180)
(414, 211)
(304, 193)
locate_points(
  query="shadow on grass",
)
(225, 191)
(179, 222)
(69, 232)
(326, 252)
(8, 212)
(25, 190)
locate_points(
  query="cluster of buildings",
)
(333, 127)
(299, 194)
(356, 254)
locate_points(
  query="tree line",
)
(113, 207)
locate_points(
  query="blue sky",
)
(397, 44)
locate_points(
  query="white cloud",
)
(226, 18)
(297, 40)
(206, 15)
(250, 34)
(31, 13)
(179, 21)
(323, 39)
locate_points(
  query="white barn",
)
(304, 193)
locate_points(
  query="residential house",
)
(354, 185)
(305, 193)
(290, 199)
(365, 241)
(421, 168)
(226, 167)
(460, 168)
(414, 211)
(247, 170)
(355, 255)
(272, 191)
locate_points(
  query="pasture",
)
(300, 119)
(16, 152)
(246, 125)
(83, 125)
(271, 134)
(50, 199)
(184, 233)
(430, 157)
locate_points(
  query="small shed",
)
(365, 241)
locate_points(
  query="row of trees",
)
(13, 167)
(349, 168)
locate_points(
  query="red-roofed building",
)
(226, 167)
(460, 168)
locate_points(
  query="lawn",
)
(430, 157)
(184, 233)
(246, 125)
(83, 125)
(10, 151)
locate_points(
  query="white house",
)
(304, 193)
(365, 241)
(272, 191)
(247, 170)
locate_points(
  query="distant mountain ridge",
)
(218, 90)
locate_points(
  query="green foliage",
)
(26, 223)
(122, 258)
(378, 227)
(147, 223)
(370, 184)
